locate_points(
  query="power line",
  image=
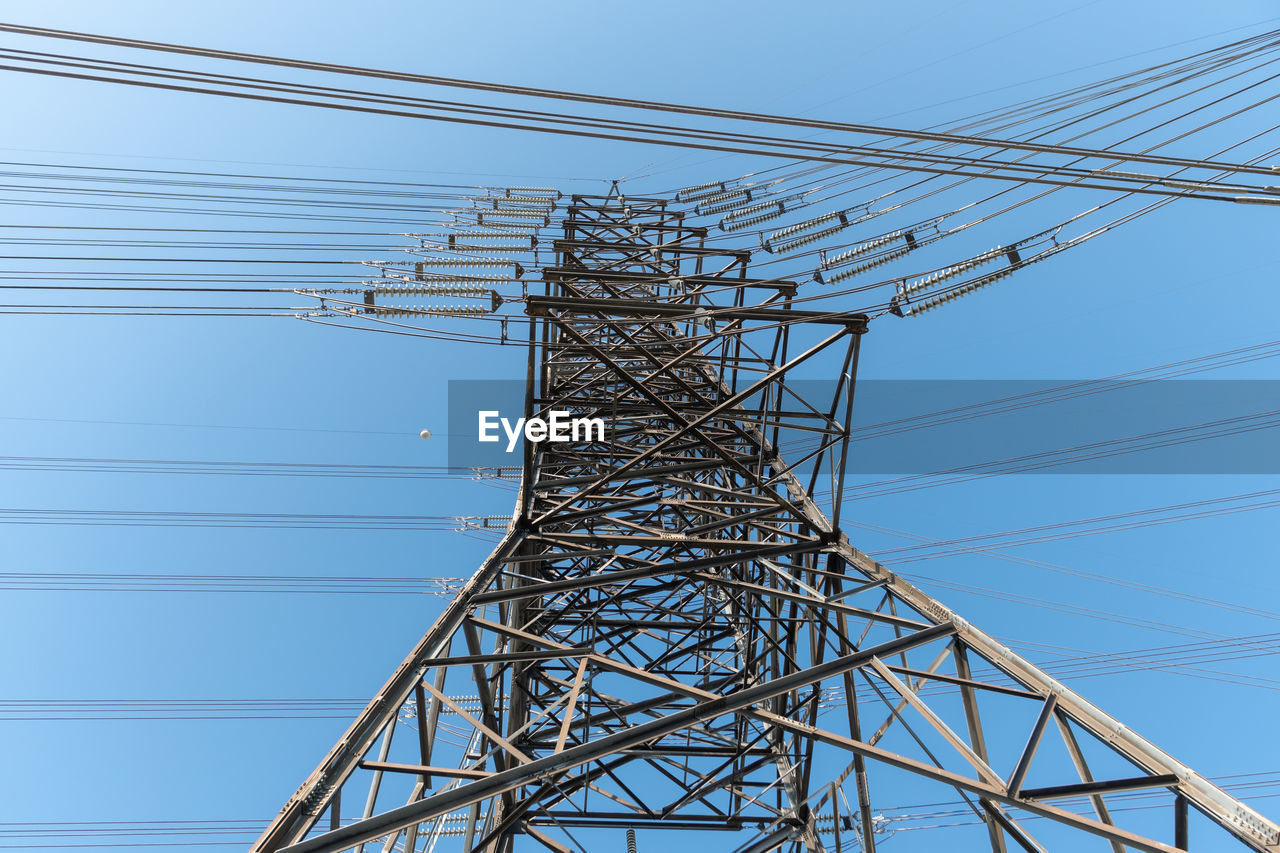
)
(657, 134)
(253, 520)
(1132, 520)
(71, 464)
(598, 99)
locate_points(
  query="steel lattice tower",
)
(675, 635)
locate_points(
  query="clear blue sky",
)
(1193, 279)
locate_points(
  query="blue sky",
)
(1193, 279)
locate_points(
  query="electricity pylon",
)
(674, 633)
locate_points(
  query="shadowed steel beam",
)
(1104, 786)
(1033, 744)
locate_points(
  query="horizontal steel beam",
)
(1105, 786)
(624, 575)
(538, 305)
(421, 770)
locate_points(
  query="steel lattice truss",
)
(674, 635)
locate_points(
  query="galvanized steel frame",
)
(671, 609)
